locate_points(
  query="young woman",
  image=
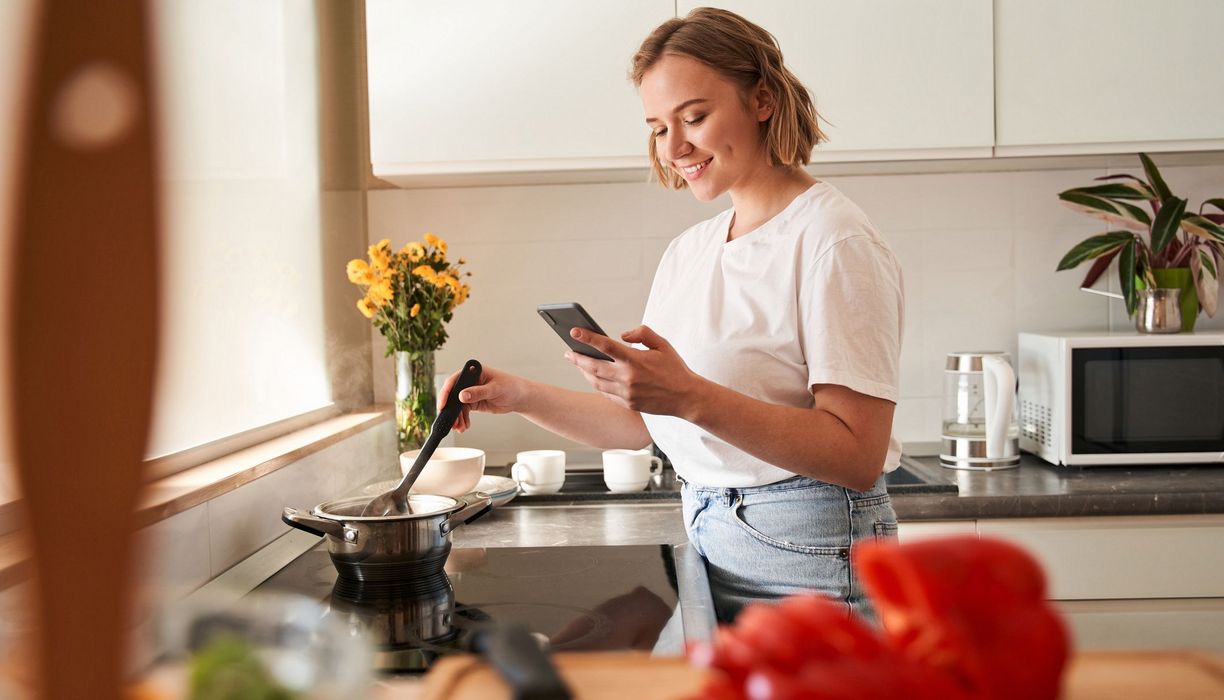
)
(766, 367)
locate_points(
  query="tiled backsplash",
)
(978, 252)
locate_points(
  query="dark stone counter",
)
(1037, 489)
(923, 490)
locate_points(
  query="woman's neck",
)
(763, 194)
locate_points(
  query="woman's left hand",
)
(655, 380)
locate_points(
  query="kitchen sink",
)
(915, 477)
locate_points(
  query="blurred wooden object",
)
(1093, 675)
(83, 331)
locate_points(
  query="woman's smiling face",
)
(701, 127)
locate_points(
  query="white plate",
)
(499, 488)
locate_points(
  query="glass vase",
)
(1178, 278)
(416, 404)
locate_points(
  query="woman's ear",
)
(763, 102)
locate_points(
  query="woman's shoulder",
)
(827, 210)
(828, 217)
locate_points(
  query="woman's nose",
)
(675, 147)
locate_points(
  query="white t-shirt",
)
(813, 296)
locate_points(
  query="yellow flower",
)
(441, 245)
(432, 240)
(359, 272)
(380, 255)
(462, 261)
(364, 306)
(381, 292)
(453, 284)
(425, 272)
(414, 251)
(462, 295)
(416, 309)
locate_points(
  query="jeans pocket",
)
(780, 540)
(885, 530)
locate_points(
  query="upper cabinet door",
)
(894, 78)
(496, 86)
(1092, 75)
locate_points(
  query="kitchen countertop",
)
(1037, 489)
(1032, 490)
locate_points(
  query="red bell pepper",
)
(963, 618)
(972, 607)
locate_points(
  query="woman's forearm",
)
(586, 417)
(808, 441)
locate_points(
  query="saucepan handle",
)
(308, 523)
(473, 506)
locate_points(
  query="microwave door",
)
(1157, 404)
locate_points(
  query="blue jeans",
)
(793, 536)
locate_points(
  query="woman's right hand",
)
(496, 392)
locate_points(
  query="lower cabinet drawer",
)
(1122, 557)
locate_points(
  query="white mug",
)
(629, 470)
(539, 471)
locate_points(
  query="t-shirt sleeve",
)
(851, 307)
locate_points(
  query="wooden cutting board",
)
(1094, 675)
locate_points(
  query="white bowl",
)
(451, 471)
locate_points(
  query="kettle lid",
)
(971, 361)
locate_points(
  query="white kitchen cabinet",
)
(1130, 557)
(1096, 76)
(914, 530)
(895, 79)
(490, 86)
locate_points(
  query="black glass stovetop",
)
(568, 598)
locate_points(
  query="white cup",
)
(629, 470)
(539, 471)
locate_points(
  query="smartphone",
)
(563, 317)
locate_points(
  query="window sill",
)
(179, 492)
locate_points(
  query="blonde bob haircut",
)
(749, 57)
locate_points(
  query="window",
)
(243, 339)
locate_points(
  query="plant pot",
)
(1178, 278)
(416, 404)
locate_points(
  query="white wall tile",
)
(248, 518)
(978, 252)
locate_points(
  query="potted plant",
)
(1182, 250)
(410, 296)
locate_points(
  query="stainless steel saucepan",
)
(389, 547)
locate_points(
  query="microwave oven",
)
(1089, 399)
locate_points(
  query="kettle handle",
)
(999, 383)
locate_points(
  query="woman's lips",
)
(695, 171)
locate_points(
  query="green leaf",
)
(1202, 227)
(1154, 178)
(1121, 213)
(1164, 228)
(1126, 275)
(1094, 247)
(1138, 190)
(1216, 202)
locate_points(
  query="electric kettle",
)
(979, 412)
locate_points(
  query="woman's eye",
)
(695, 120)
(659, 133)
